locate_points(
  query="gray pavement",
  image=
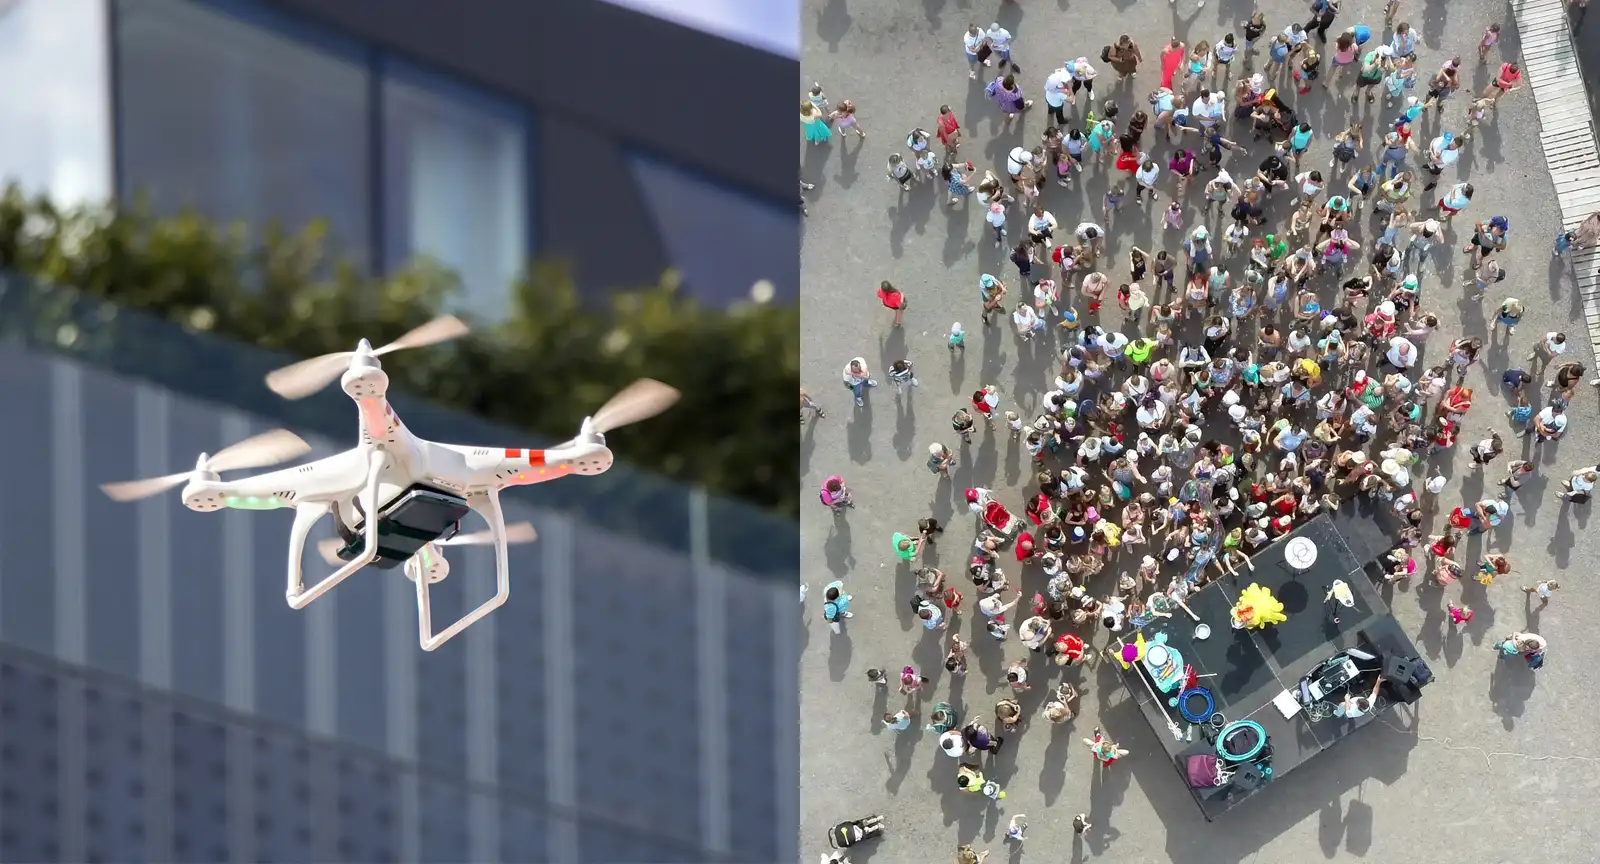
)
(1498, 758)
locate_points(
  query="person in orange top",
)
(893, 299)
(949, 130)
(1172, 58)
(1508, 79)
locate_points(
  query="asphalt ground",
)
(1495, 764)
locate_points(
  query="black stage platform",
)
(1253, 667)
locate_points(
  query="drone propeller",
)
(268, 448)
(640, 400)
(517, 534)
(299, 380)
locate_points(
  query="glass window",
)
(722, 241)
(55, 105)
(241, 117)
(455, 183)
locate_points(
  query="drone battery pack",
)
(417, 517)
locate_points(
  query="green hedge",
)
(553, 360)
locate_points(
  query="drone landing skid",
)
(418, 512)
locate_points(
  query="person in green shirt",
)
(1277, 247)
(1139, 350)
(906, 547)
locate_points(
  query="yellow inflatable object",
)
(1257, 609)
(1138, 647)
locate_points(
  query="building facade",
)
(477, 132)
(159, 701)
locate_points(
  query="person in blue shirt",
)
(835, 605)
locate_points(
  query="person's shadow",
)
(833, 22)
(1509, 688)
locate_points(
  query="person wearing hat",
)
(1423, 234)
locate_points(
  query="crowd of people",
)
(1264, 367)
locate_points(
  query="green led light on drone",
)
(253, 503)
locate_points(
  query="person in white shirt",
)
(1041, 226)
(858, 379)
(1444, 152)
(1056, 85)
(1083, 76)
(972, 41)
(1580, 486)
(1018, 159)
(1356, 705)
(1146, 178)
(1093, 236)
(1113, 343)
(1553, 345)
(1027, 321)
(1401, 354)
(1000, 43)
(997, 221)
(1296, 36)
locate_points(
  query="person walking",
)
(1530, 645)
(836, 605)
(810, 409)
(1544, 589)
(1579, 488)
(1553, 345)
(1322, 14)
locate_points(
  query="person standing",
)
(893, 299)
(1056, 87)
(858, 379)
(1553, 345)
(1322, 14)
(902, 376)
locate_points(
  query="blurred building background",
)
(158, 699)
(479, 132)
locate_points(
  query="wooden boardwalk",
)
(1567, 133)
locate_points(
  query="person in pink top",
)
(1172, 58)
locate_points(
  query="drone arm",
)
(307, 514)
(489, 507)
(527, 467)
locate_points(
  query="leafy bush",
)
(553, 360)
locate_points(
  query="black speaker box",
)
(1398, 669)
(1247, 777)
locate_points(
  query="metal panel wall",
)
(161, 702)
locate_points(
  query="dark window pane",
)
(721, 241)
(455, 183)
(241, 121)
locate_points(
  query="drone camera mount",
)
(406, 525)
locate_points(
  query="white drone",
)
(415, 490)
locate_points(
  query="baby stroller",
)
(847, 834)
(1000, 520)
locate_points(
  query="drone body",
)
(415, 491)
